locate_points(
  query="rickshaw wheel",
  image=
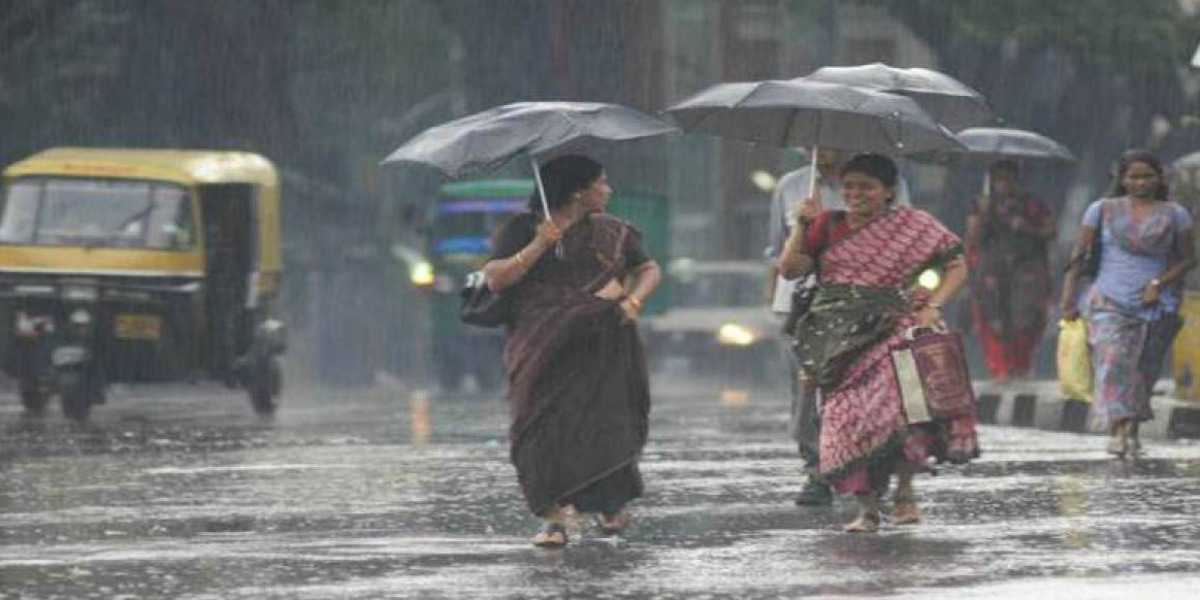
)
(33, 396)
(75, 396)
(266, 382)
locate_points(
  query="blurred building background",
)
(327, 89)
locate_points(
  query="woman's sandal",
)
(905, 511)
(867, 522)
(551, 535)
(613, 525)
(1118, 446)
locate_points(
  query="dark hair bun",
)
(563, 176)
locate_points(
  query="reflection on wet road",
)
(182, 493)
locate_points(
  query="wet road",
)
(181, 493)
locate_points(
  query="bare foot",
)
(551, 535)
(906, 512)
(867, 522)
(613, 524)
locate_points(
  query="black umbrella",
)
(488, 139)
(990, 144)
(805, 113)
(952, 102)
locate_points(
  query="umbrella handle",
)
(537, 179)
(541, 190)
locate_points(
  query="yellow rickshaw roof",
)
(182, 166)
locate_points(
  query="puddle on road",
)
(305, 510)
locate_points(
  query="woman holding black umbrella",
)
(579, 388)
(1006, 246)
(868, 259)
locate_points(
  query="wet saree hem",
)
(888, 450)
(582, 488)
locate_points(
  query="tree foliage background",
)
(326, 88)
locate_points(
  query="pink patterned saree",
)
(863, 428)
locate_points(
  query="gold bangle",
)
(637, 304)
(520, 258)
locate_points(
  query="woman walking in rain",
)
(578, 384)
(1010, 288)
(1147, 248)
(868, 259)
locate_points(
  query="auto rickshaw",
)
(1185, 359)
(123, 265)
(1186, 353)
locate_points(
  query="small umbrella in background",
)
(806, 113)
(985, 145)
(948, 100)
(990, 144)
(488, 139)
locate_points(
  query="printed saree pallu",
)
(845, 342)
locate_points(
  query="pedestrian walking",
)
(578, 384)
(868, 259)
(1006, 245)
(1132, 307)
(804, 424)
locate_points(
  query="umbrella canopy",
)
(805, 113)
(952, 102)
(989, 144)
(488, 139)
(1187, 161)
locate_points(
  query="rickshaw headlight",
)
(422, 274)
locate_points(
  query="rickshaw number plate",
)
(138, 327)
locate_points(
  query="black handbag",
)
(480, 306)
(802, 298)
(805, 290)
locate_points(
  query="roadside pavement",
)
(1039, 404)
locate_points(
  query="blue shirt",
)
(1123, 274)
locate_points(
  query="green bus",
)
(460, 226)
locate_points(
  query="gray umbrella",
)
(488, 139)
(988, 144)
(804, 113)
(952, 102)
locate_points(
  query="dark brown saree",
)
(578, 384)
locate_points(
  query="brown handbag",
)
(931, 369)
